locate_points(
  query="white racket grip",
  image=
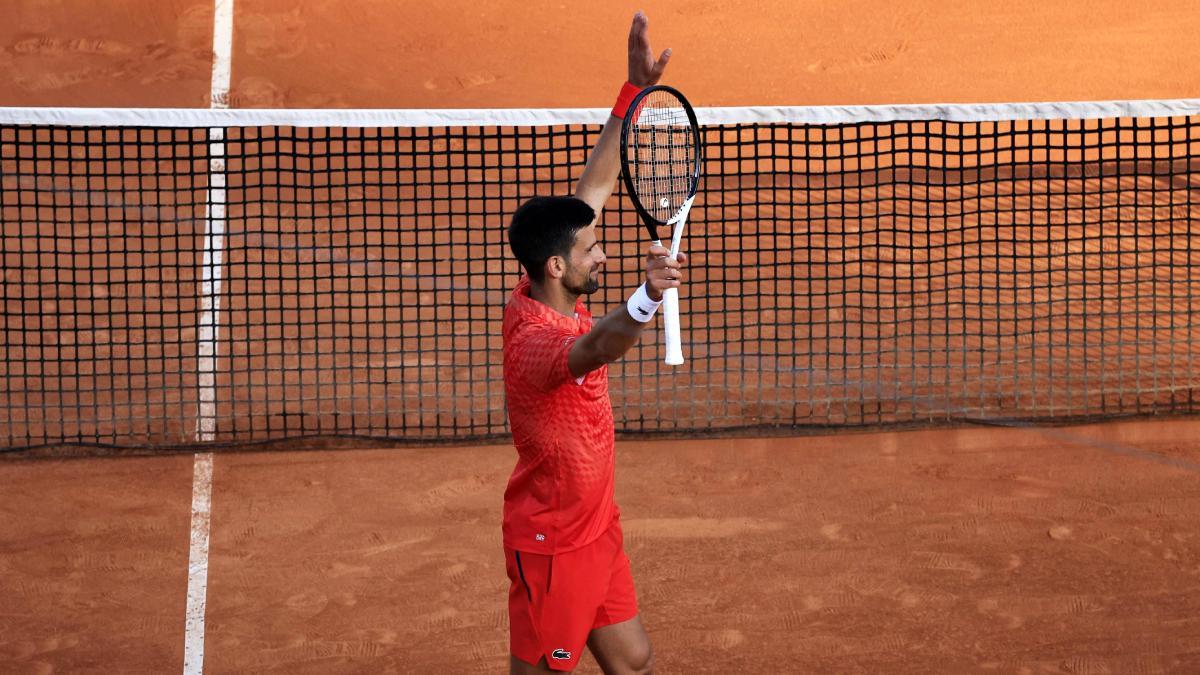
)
(671, 326)
(671, 295)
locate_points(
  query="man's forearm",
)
(603, 166)
(610, 338)
(619, 332)
(600, 175)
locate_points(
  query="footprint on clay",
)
(1086, 665)
(456, 572)
(308, 603)
(1059, 532)
(949, 562)
(727, 639)
(833, 532)
(991, 607)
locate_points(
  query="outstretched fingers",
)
(644, 69)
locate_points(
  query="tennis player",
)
(571, 580)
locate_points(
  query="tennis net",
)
(174, 277)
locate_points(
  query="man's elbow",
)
(617, 346)
(588, 360)
(606, 354)
(597, 356)
(592, 197)
(611, 355)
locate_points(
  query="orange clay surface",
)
(1069, 550)
(993, 550)
(506, 53)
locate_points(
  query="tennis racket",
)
(660, 164)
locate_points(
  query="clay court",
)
(891, 482)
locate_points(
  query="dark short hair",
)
(544, 227)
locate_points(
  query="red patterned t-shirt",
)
(560, 495)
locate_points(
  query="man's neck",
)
(554, 296)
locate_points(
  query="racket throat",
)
(677, 223)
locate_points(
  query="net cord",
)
(470, 117)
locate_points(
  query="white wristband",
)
(640, 306)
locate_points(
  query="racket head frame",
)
(652, 224)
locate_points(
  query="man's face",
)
(585, 263)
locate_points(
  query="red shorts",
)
(555, 601)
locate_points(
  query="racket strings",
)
(662, 155)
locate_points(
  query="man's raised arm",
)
(618, 331)
(604, 164)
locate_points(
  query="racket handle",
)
(671, 327)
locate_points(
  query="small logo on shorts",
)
(561, 654)
(541, 537)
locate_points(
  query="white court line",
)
(210, 312)
(210, 287)
(214, 228)
(193, 649)
(222, 53)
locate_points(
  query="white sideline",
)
(193, 646)
(210, 309)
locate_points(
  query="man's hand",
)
(663, 272)
(644, 71)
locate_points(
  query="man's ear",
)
(555, 267)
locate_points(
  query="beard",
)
(588, 286)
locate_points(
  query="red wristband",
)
(628, 93)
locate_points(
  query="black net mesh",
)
(168, 286)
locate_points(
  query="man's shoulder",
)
(518, 321)
(517, 314)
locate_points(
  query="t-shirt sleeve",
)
(540, 356)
